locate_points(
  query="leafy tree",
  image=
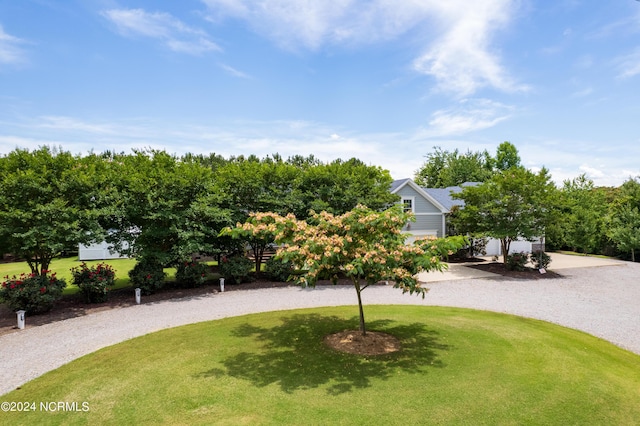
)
(164, 208)
(303, 162)
(340, 186)
(625, 229)
(585, 207)
(45, 205)
(429, 174)
(252, 185)
(363, 244)
(624, 218)
(212, 161)
(299, 185)
(444, 169)
(506, 157)
(511, 205)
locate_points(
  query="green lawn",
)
(575, 253)
(457, 366)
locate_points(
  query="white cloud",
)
(71, 124)
(291, 23)
(400, 153)
(607, 164)
(629, 65)
(175, 34)
(592, 172)
(470, 115)
(234, 72)
(460, 58)
(10, 50)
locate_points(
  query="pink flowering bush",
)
(517, 261)
(148, 275)
(191, 274)
(94, 281)
(364, 245)
(32, 293)
(235, 268)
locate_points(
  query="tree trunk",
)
(38, 264)
(356, 284)
(506, 245)
(258, 248)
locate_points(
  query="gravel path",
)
(602, 301)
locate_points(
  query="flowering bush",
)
(191, 274)
(517, 261)
(278, 270)
(236, 268)
(94, 281)
(147, 275)
(540, 259)
(32, 293)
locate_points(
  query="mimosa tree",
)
(364, 245)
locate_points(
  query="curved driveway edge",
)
(602, 301)
(559, 262)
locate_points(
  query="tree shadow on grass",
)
(294, 356)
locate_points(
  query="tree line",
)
(513, 201)
(162, 208)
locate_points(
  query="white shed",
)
(99, 251)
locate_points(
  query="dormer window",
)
(408, 204)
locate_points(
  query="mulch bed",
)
(75, 306)
(528, 274)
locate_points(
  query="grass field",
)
(457, 366)
(574, 253)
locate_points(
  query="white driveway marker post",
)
(20, 319)
(138, 296)
(221, 284)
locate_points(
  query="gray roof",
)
(397, 184)
(441, 195)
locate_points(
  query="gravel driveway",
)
(603, 301)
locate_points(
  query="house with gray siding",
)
(429, 212)
(431, 207)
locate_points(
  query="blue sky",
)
(381, 80)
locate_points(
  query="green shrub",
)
(517, 261)
(235, 268)
(94, 281)
(479, 246)
(32, 293)
(540, 260)
(191, 274)
(147, 275)
(278, 270)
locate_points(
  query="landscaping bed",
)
(527, 274)
(74, 305)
